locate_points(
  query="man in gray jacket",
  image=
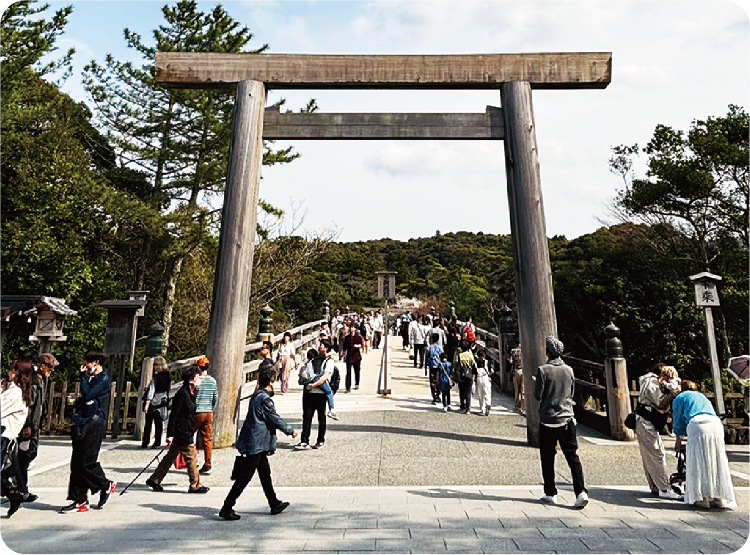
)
(554, 391)
(257, 440)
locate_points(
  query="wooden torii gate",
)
(514, 75)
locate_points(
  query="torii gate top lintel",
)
(571, 70)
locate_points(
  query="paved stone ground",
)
(396, 475)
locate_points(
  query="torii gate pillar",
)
(231, 296)
(533, 274)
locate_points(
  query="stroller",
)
(677, 479)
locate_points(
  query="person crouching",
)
(180, 435)
(256, 442)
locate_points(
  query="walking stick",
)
(142, 471)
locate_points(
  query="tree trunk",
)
(166, 318)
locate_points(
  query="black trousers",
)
(434, 373)
(255, 462)
(376, 337)
(357, 366)
(419, 350)
(464, 394)
(86, 473)
(548, 440)
(446, 397)
(312, 403)
(152, 417)
(24, 460)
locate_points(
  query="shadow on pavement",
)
(431, 434)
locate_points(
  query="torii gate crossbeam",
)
(514, 75)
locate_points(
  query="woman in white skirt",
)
(286, 360)
(708, 482)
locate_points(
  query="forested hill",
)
(633, 275)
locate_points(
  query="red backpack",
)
(469, 332)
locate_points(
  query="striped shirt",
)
(206, 395)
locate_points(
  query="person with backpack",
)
(432, 362)
(314, 372)
(464, 367)
(445, 383)
(314, 399)
(469, 333)
(155, 402)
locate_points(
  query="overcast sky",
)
(673, 62)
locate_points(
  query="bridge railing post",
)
(618, 394)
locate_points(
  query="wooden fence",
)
(61, 399)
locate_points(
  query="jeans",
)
(548, 439)
(191, 457)
(312, 403)
(434, 373)
(446, 398)
(203, 423)
(86, 473)
(357, 366)
(255, 462)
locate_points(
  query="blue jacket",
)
(687, 405)
(258, 433)
(93, 399)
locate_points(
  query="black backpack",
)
(335, 380)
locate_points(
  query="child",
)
(445, 382)
(484, 384)
(257, 440)
(316, 371)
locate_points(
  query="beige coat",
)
(13, 411)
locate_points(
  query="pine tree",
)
(180, 138)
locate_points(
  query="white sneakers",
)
(581, 501)
(669, 494)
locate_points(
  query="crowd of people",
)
(448, 353)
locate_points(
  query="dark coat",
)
(182, 416)
(258, 433)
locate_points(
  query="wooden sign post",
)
(707, 296)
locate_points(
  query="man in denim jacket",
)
(257, 440)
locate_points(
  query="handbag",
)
(630, 421)
(240, 468)
(180, 461)
(658, 419)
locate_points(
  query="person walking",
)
(484, 383)
(445, 382)
(464, 367)
(180, 432)
(256, 442)
(468, 335)
(555, 385)
(452, 338)
(15, 400)
(432, 363)
(314, 400)
(708, 482)
(206, 398)
(516, 366)
(657, 389)
(353, 344)
(87, 430)
(286, 360)
(28, 440)
(156, 401)
(418, 339)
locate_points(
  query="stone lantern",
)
(50, 318)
